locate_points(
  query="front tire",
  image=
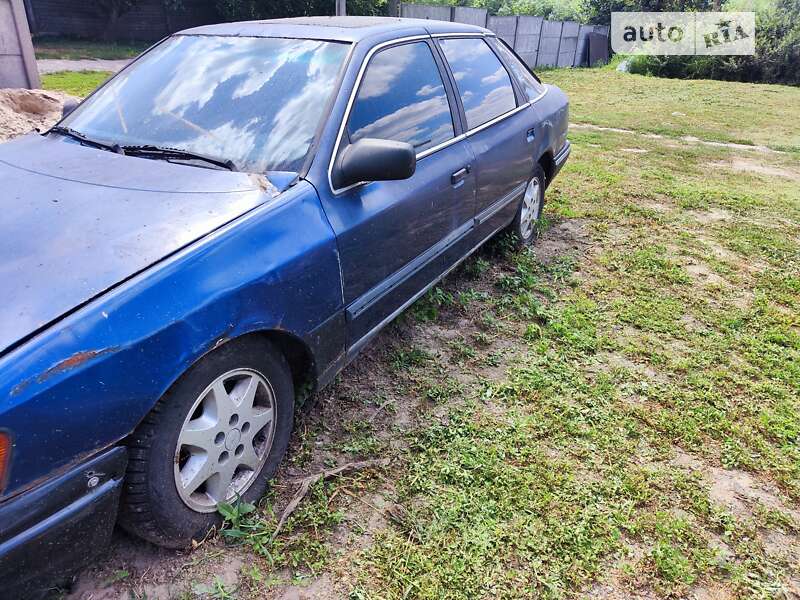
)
(217, 435)
(526, 221)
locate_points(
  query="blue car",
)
(215, 233)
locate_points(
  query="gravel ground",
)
(53, 65)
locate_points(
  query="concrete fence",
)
(17, 62)
(539, 43)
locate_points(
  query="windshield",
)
(254, 101)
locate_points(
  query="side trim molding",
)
(411, 268)
(353, 351)
(563, 155)
(499, 205)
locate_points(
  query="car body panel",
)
(84, 219)
(388, 231)
(87, 381)
(75, 510)
(382, 227)
(504, 160)
(552, 112)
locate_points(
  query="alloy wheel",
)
(529, 213)
(225, 439)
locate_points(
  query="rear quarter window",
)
(533, 88)
(483, 82)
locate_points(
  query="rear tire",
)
(217, 435)
(525, 223)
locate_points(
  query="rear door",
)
(500, 128)
(395, 237)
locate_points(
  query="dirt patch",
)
(610, 361)
(705, 275)
(715, 215)
(23, 111)
(754, 148)
(746, 165)
(713, 591)
(737, 491)
(323, 587)
(563, 239)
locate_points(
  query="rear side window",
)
(529, 83)
(402, 98)
(482, 80)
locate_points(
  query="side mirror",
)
(371, 159)
(69, 106)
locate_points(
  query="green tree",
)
(598, 12)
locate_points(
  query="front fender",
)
(86, 382)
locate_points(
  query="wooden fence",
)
(539, 42)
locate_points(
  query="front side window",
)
(531, 85)
(402, 98)
(482, 80)
(254, 101)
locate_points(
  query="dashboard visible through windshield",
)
(256, 102)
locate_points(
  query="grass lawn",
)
(72, 49)
(76, 83)
(747, 113)
(614, 413)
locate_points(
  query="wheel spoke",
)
(196, 471)
(219, 483)
(260, 418)
(199, 433)
(249, 394)
(249, 458)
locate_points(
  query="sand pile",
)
(22, 111)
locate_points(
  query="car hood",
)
(75, 221)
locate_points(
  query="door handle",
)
(530, 135)
(460, 175)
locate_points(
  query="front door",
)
(395, 237)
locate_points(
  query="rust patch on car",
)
(20, 387)
(73, 362)
(69, 363)
(264, 184)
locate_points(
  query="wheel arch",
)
(297, 352)
(548, 164)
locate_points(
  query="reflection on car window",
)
(402, 98)
(532, 87)
(482, 80)
(255, 101)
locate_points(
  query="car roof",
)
(345, 29)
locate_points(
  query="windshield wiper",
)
(167, 153)
(84, 139)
